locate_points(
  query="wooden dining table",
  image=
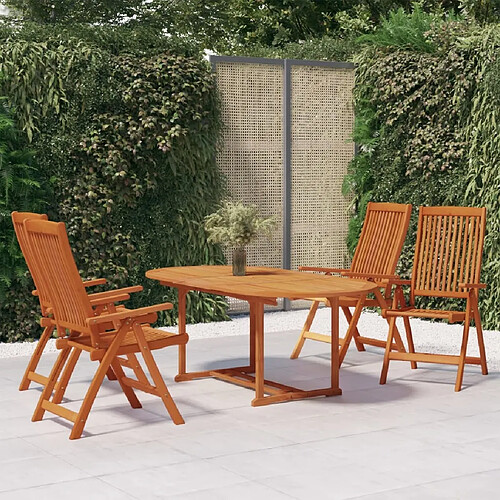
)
(261, 286)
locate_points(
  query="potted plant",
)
(236, 225)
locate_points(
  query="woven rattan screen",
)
(322, 124)
(253, 98)
(252, 153)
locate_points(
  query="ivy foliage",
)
(228, 25)
(69, 11)
(427, 127)
(404, 30)
(128, 143)
(19, 190)
(482, 175)
(326, 48)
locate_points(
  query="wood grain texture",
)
(259, 286)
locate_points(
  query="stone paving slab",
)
(412, 438)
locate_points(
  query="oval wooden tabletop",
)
(259, 282)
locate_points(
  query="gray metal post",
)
(287, 170)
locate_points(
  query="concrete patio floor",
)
(412, 438)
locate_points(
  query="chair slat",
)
(448, 251)
(470, 246)
(472, 276)
(447, 242)
(381, 240)
(52, 252)
(431, 244)
(461, 230)
(447, 284)
(18, 219)
(444, 237)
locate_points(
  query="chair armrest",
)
(372, 276)
(129, 314)
(394, 312)
(111, 296)
(118, 291)
(400, 281)
(323, 269)
(472, 285)
(98, 281)
(108, 299)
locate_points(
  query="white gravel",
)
(428, 336)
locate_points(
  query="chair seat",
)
(451, 316)
(155, 338)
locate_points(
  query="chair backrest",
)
(51, 251)
(18, 219)
(382, 238)
(448, 250)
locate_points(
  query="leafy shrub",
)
(128, 142)
(19, 190)
(356, 22)
(406, 31)
(326, 48)
(483, 11)
(139, 40)
(426, 124)
(482, 173)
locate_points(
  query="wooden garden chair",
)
(447, 264)
(103, 336)
(102, 302)
(376, 256)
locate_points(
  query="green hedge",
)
(19, 190)
(126, 142)
(326, 48)
(427, 107)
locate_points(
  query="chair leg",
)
(480, 339)
(406, 321)
(110, 374)
(47, 390)
(351, 329)
(306, 328)
(128, 391)
(35, 358)
(62, 384)
(95, 385)
(137, 368)
(396, 336)
(463, 350)
(355, 334)
(385, 366)
(409, 338)
(156, 376)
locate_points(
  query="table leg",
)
(252, 339)
(182, 329)
(257, 311)
(335, 365)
